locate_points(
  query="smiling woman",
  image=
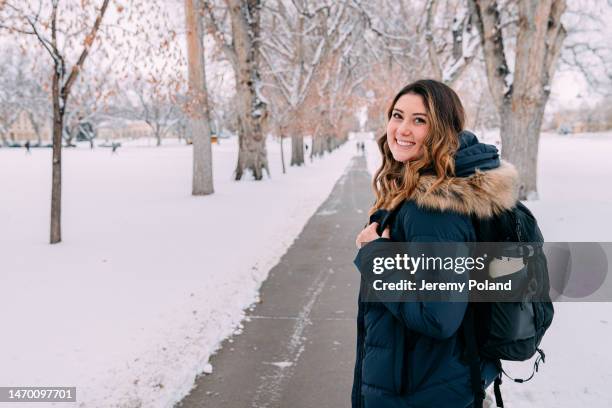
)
(435, 178)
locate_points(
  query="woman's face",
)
(407, 128)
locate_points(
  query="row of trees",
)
(95, 102)
(289, 68)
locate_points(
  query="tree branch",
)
(555, 36)
(431, 46)
(214, 29)
(492, 42)
(88, 42)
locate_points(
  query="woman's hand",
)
(369, 234)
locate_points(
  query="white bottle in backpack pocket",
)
(504, 265)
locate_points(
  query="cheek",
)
(422, 135)
(390, 135)
(390, 130)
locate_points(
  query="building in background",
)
(123, 129)
(23, 128)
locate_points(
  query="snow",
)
(148, 279)
(280, 364)
(574, 205)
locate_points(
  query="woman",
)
(435, 176)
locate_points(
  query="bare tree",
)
(46, 32)
(152, 101)
(339, 93)
(521, 94)
(300, 37)
(88, 100)
(451, 51)
(391, 51)
(242, 49)
(279, 122)
(391, 38)
(199, 120)
(587, 49)
(153, 85)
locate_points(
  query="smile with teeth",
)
(404, 143)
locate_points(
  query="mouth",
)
(404, 143)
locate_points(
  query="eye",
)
(419, 121)
(396, 115)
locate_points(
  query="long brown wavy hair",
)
(395, 181)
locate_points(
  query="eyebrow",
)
(414, 114)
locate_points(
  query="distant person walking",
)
(27, 146)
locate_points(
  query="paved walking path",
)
(298, 345)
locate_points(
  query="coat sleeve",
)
(439, 320)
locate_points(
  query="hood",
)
(484, 185)
(473, 155)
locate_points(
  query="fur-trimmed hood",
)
(483, 193)
(484, 185)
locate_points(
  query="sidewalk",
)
(298, 345)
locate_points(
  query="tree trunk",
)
(521, 99)
(202, 183)
(520, 135)
(35, 125)
(313, 139)
(538, 46)
(199, 118)
(69, 135)
(297, 149)
(157, 137)
(282, 153)
(252, 154)
(317, 145)
(56, 167)
(245, 21)
(331, 142)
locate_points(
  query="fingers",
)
(368, 234)
(386, 233)
(358, 239)
(362, 237)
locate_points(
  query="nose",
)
(404, 128)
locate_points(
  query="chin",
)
(402, 158)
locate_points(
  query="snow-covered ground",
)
(148, 279)
(575, 205)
